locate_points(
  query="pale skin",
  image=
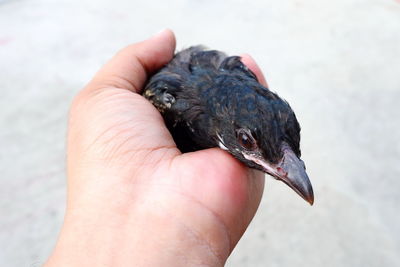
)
(133, 198)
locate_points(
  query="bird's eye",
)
(246, 140)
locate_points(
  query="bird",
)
(209, 99)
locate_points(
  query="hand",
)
(133, 197)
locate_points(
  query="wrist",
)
(148, 234)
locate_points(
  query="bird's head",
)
(262, 131)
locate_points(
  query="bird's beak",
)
(290, 170)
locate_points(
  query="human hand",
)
(133, 197)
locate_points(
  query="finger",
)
(130, 67)
(252, 65)
(225, 186)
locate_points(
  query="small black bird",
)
(208, 100)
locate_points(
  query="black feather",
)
(204, 93)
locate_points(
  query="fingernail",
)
(160, 33)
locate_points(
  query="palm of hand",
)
(131, 140)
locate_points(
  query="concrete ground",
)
(336, 62)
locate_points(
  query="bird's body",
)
(208, 99)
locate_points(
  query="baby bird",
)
(208, 99)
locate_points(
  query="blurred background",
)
(336, 62)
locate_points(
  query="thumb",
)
(131, 66)
(108, 120)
